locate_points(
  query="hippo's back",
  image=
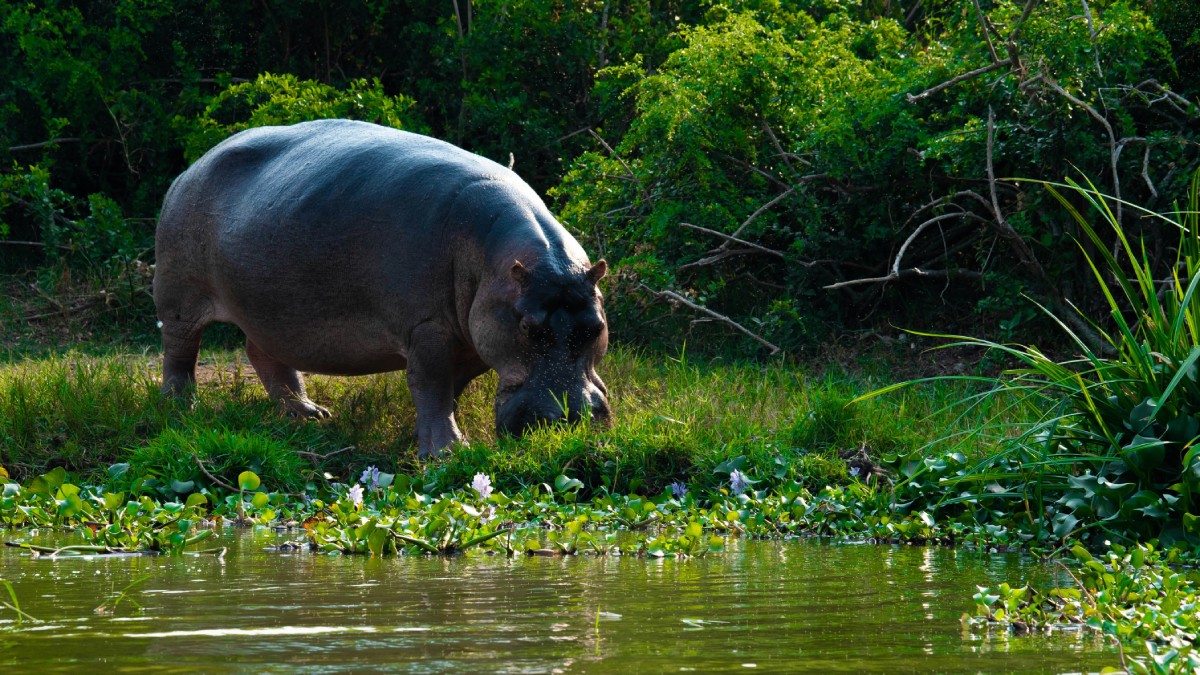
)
(327, 173)
(316, 232)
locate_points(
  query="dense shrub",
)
(818, 131)
(818, 143)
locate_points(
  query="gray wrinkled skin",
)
(347, 248)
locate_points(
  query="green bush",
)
(285, 99)
(813, 140)
(1113, 446)
(182, 456)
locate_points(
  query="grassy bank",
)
(674, 420)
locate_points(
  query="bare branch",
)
(316, 458)
(52, 141)
(675, 298)
(959, 78)
(743, 242)
(783, 154)
(902, 274)
(1146, 172)
(1087, 13)
(617, 157)
(745, 223)
(1114, 151)
(1021, 21)
(1006, 229)
(215, 481)
(765, 174)
(988, 29)
(716, 257)
(1167, 92)
(917, 232)
(1014, 52)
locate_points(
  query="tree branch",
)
(675, 298)
(1114, 151)
(746, 223)
(1087, 13)
(743, 242)
(910, 272)
(959, 78)
(215, 481)
(988, 29)
(52, 141)
(629, 171)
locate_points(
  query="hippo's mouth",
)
(521, 408)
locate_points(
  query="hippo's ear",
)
(596, 272)
(519, 273)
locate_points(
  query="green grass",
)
(674, 420)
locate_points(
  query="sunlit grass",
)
(673, 420)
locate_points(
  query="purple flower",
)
(738, 482)
(370, 476)
(482, 485)
(854, 471)
(356, 496)
(679, 489)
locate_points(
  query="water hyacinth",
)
(738, 482)
(679, 489)
(356, 496)
(370, 476)
(482, 485)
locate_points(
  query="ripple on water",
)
(783, 607)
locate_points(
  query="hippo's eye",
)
(587, 331)
(532, 322)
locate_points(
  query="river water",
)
(796, 606)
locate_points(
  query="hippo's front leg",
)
(431, 382)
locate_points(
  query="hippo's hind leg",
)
(183, 313)
(283, 383)
(181, 347)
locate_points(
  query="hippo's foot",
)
(306, 408)
(431, 451)
(283, 383)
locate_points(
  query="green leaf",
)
(1064, 524)
(1191, 523)
(1144, 454)
(376, 541)
(1081, 554)
(181, 487)
(565, 484)
(196, 499)
(731, 465)
(114, 501)
(260, 499)
(248, 481)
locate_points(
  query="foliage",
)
(175, 461)
(641, 116)
(107, 520)
(284, 99)
(812, 139)
(1111, 448)
(1133, 593)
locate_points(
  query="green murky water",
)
(799, 606)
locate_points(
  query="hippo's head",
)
(544, 336)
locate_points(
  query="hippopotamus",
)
(348, 248)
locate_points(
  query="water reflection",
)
(782, 607)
